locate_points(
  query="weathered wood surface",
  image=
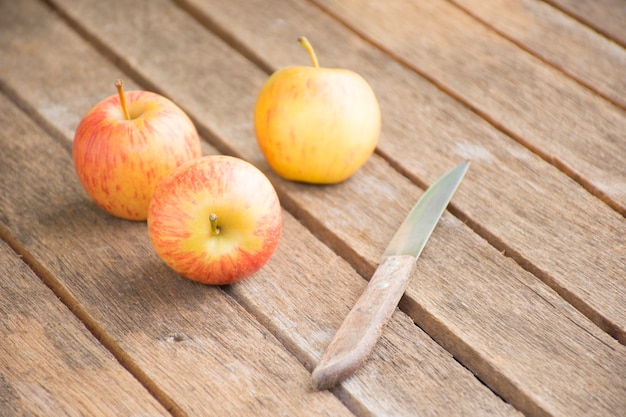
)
(173, 346)
(164, 326)
(539, 222)
(579, 51)
(528, 322)
(51, 364)
(605, 16)
(555, 117)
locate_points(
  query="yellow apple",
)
(316, 125)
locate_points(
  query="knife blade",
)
(364, 324)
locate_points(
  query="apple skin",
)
(119, 162)
(248, 215)
(316, 125)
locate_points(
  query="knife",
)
(362, 327)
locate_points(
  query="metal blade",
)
(419, 224)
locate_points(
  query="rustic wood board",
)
(499, 174)
(184, 337)
(605, 16)
(407, 373)
(548, 33)
(187, 80)
(556, 117)
(528, 220)
(220, 122)
(49, 363)
(189, 338)
(154, 317)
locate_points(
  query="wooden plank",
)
(573, 128)
(184, 337)
(560, 40)
(605, 16)
(352, 206)
(189, 339)
(530, 351)
(162, 320)
(407, 373)
(49, 363)
(528, 221)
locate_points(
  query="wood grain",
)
(573, 128)
(560, 40)
(514, 330)
(527, 220)
(348, 217)
(605, 16)
(49, 363)
(169, 326)
(354, 207)
(196, 344)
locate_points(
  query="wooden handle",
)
(364, 324)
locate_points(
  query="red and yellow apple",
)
(316, 125)
(126, 144)
(215, 220)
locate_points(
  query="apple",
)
(126, 144)
(316, 125)
(215, 220)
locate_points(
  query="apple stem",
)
(307, 45)
(215, 229)
(120, 90)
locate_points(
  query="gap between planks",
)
(578, 16)
(560, 165)
(603, 323)
(546, 61)
(47, 127)
(360, 264)
(65, 297)
(92, 326)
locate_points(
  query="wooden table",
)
(518, 304)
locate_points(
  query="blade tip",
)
(465, 164)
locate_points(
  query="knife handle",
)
(364, 324)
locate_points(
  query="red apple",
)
(216, 219)
(314, 124)
(126, 144)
